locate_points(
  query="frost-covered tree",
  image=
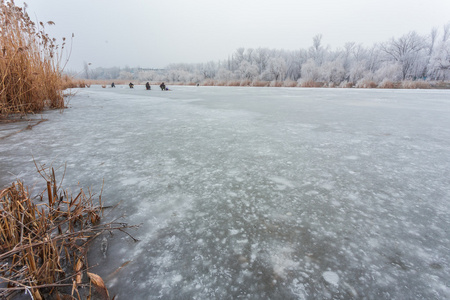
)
(294, 63)
(126, 75)
(224, 75)
(391, 71)
(247, 71)
(276, 70)
(332, 71)
(237, 58)
(146, 75)
(358, 71)
(317, 51)
(209, 69)
(310, 71)
(409, 57)
(248, 55)
(261, 57)
(407, 51)
(439, 66)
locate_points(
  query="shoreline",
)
(408, 84)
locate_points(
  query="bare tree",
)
(439, 68)
(317, 51)
(276, 69)
(261, 56)
(406, 50)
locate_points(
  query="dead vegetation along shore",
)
(30, 64)
(44, 243)
(367, 84)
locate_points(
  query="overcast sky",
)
(153, 34)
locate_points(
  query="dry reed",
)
(290, 83)
(418, 84)
(260, 83)
(29, 63)
(43, 246)
(311, 83)
(386, 84)
(366, 84)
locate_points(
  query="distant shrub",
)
(331, 84)
(208, 82)
(275, 83)
(418, 84)
(310, 83)
(233, 83)
(245, 82)
(386, 84)
(290, 83)
(260, 83)
(68, 82)
(366, 84)
(346, 84)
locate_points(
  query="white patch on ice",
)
(177, 278)
(234, 231)
(282, 261)
(131, 181)
(331, 277)
(283, 182)
(312, 193)
(231, 194)
(351, 157)
(298, 289)
(327, 185)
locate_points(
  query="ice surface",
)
(258, 193)
(331, 278)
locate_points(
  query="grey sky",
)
(156, 33)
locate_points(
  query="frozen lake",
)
(259, 193)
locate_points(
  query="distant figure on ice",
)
(162, 86)
(131, 85)
(147, 86)
(113, 85)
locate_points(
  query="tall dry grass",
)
(418, 84)
(30, 79)
(44, 244)
(311, 83)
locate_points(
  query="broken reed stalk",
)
(30, 73)
(44, 246)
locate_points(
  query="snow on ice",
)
(258, 193)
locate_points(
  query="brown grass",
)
(276, 83)
(233, 83)
(245, 82)
(418, 84)
(290, 83)
(387, 84)
(311, 83)
(346, 85)
(43, 245)
(366, 84)
(208, 82)
(29, 69)
(260, 83)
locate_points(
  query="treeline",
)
(409, 58)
